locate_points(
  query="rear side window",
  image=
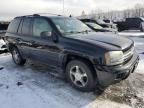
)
(26, 26)
(13, 27)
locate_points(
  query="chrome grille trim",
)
(128, 54)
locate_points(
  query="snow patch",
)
(140, 68)
(40, 89)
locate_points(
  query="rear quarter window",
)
(13, 26)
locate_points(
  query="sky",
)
(12, 8)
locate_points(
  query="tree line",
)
(136, 11)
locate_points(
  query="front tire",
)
(17, 58)
(81, 75)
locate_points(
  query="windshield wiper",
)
(73, 32)
(86, 31)
(76, 32)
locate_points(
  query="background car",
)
(2, 46)
(106, 23)
(101, 23)
(98, 28)
(131, 24)
(3, 28)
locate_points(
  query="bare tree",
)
(136, 11)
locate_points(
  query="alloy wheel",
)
(78, 76)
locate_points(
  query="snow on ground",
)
(33, 86)
(140, 68)
(39, 89)
(2, 42)
(138, 38)
(133, 33)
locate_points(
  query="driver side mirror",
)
(46, 34)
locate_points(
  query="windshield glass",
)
(94, 25)
(142, 18)
(100, 21)
(70, 25)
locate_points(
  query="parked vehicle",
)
(131, 24)
(3, 25)
(3, 47)
(86, 58)
(103, 24)
(3, 28)
(106, 23)
(98, 28)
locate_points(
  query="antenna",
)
(63, 7)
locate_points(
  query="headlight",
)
(114, 58)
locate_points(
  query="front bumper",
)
(108, 75)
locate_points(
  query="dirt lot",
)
(35, 86)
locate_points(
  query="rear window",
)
(13, 27)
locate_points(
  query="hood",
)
(106, 40)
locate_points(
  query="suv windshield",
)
(70, 26)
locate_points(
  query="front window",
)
(100, 21)
(70, 26)
(40, 25)
(94, 25)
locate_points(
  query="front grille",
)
(128, 53)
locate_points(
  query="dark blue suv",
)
(86, 58)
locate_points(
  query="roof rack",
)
(49, 14)
(38, 14)
(28, 15)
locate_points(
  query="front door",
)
(45, 50)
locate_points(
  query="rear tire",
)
(81, 75)
(17, 58)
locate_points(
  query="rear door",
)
(11, 35)
(25, 36)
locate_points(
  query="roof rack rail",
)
(49, 14)
(38, 14)
(28, 15)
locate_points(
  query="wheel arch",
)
(10, 46)
(67, 58)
